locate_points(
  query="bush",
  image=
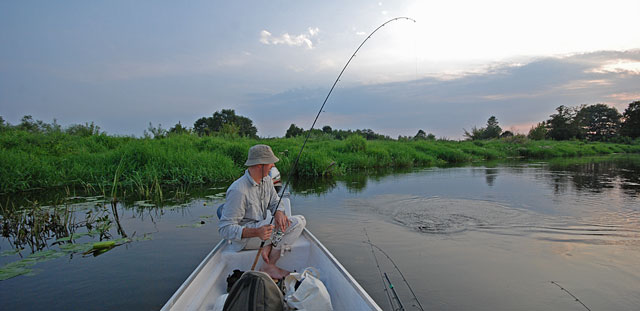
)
(356, 143)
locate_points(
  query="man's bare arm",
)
(263, 232)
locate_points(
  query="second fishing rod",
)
(295, 163)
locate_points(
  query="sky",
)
(124, 64)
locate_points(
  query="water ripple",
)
(436, 215)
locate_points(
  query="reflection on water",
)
(597, 174)
(482, 237)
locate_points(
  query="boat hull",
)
(208, 280)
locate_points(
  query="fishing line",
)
(395, 294)
(397, 269)
(384, 285)
(574, 297)
(295, 163)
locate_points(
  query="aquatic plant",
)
(111, 165)
(50, 232)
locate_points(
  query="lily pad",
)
(104, 245)
(23, 267)
(196, 225)
(76, 248)
(11, 252)
(46, 255)
(121, 241)
(14, 269)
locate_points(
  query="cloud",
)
(519, 96)
(628, 66)
(303, 39)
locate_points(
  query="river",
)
(488, 236)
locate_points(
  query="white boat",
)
(208, 281)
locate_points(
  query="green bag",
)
(254, 291)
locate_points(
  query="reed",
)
(112, 164)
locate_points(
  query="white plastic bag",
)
(311, 294)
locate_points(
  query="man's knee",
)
(298, 221)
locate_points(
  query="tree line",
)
(28, 124)
(597, 122)
(328, 132)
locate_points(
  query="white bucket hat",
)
(260, 154)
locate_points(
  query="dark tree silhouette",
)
(631, 125)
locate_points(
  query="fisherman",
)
(247, 212)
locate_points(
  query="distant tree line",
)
(224, 122)
(327, 131)
(28, 124)
(597, 122)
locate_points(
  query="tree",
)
(598, 122)
(293, 131)
(29, 125)
(538, 132)
(476, 133)
(178, 129)
(561, 126)
(84, 130)
(506, 134)
(157, 132)
(421, 135)
(631, 125)
(230, 129)
(215, 123)
(492, 130)
(327, 129)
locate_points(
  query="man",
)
(247, 212)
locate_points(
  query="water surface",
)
(484, 237)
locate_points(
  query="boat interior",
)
(208, 282)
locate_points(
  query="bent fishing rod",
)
(295, 163)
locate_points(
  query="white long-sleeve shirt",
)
(247, 203)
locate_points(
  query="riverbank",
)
(102, 163)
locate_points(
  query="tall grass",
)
(102, 162)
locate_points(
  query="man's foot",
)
(274, 272)
(283, 272)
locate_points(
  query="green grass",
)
(37, 161)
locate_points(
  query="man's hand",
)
(282, 222)
(264, 232)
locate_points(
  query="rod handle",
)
(255, 261)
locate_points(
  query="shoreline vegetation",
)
(100, 163)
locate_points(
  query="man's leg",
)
(292, 233)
